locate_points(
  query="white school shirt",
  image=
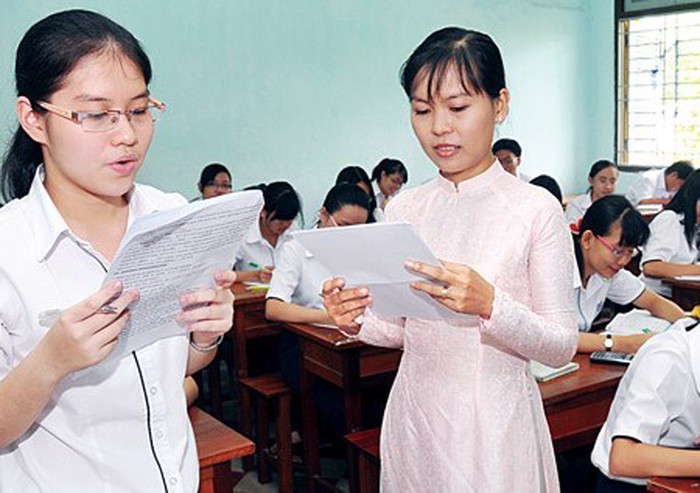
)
(577, 207)
(298, 277)
(667, 243)
(256, 249)
(650, 184)
(622, 288)
(658, 400)
(122, 428)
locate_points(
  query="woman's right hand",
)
(344, 306)
(87, 332)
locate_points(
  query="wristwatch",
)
(608, 342)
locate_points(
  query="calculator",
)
(611, 357)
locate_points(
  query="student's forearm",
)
(281, 311)
(198, 360)
(662, 308)
(641, 460)
(589, 342)
(668, 269)
(24, 393)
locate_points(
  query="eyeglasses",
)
(220, 186)
(106, 120)
(620, 253)
(333, 221)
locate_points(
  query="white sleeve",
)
(287, 274)
(625, 288)
(663, 238)
(9, 318)
(573, 210)
(641, 188)
(653, 395)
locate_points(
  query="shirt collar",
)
(479, 182)
(49, 226)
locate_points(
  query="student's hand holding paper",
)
(265, 275)
(86, 333)
(458, 287)
(344, 306)
(208, 313)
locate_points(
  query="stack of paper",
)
(543, 373)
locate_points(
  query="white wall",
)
(296, 90)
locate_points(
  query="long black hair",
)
(281, 201)
(390, 166)
(356, 175)
(685, 202)
(602, 215)
(46, 55)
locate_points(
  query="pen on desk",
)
(254, 265)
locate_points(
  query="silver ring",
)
(444, 291)
(108, 309)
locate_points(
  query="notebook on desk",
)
(544, 373)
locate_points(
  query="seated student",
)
(215, 180)
(256, 257)
(657, 186)
(295, 286)
(508, 153)
(356, 175)
(653, 425)
(602, 179)
(672, 250)
(549, 184)
(610, 232)
(389, 175)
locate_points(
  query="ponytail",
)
(21, 161)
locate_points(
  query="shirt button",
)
(173, 481)
(154, 390)
(159, 434)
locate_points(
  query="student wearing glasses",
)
(610, 233)
(672, 247)
(214, 180)
(388, 176)
(85, 124)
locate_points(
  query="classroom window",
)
(658, 90)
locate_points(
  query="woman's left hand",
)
(208, 313)
(458, 287)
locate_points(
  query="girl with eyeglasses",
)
(610, 233)
(389, 175)
(672, 249)
(214, 180)
(85, 124)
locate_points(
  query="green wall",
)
(296, 90)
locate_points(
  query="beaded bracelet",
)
(206, 349)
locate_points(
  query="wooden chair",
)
(272, 396)
(363, 450)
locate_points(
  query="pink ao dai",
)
(464, 414)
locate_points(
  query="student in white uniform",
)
(602, 180)
(672, 249)
(388, 177)
(256, 258)
(610, 233)
(85, 124)
(653, 425)
(294, 291)
(658, 186)
(508, 152)
(356, 175)
(214, 180)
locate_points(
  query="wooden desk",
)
(685, 294)
(345, 363)
(217, 444)
(674, 485)
(577, 404)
